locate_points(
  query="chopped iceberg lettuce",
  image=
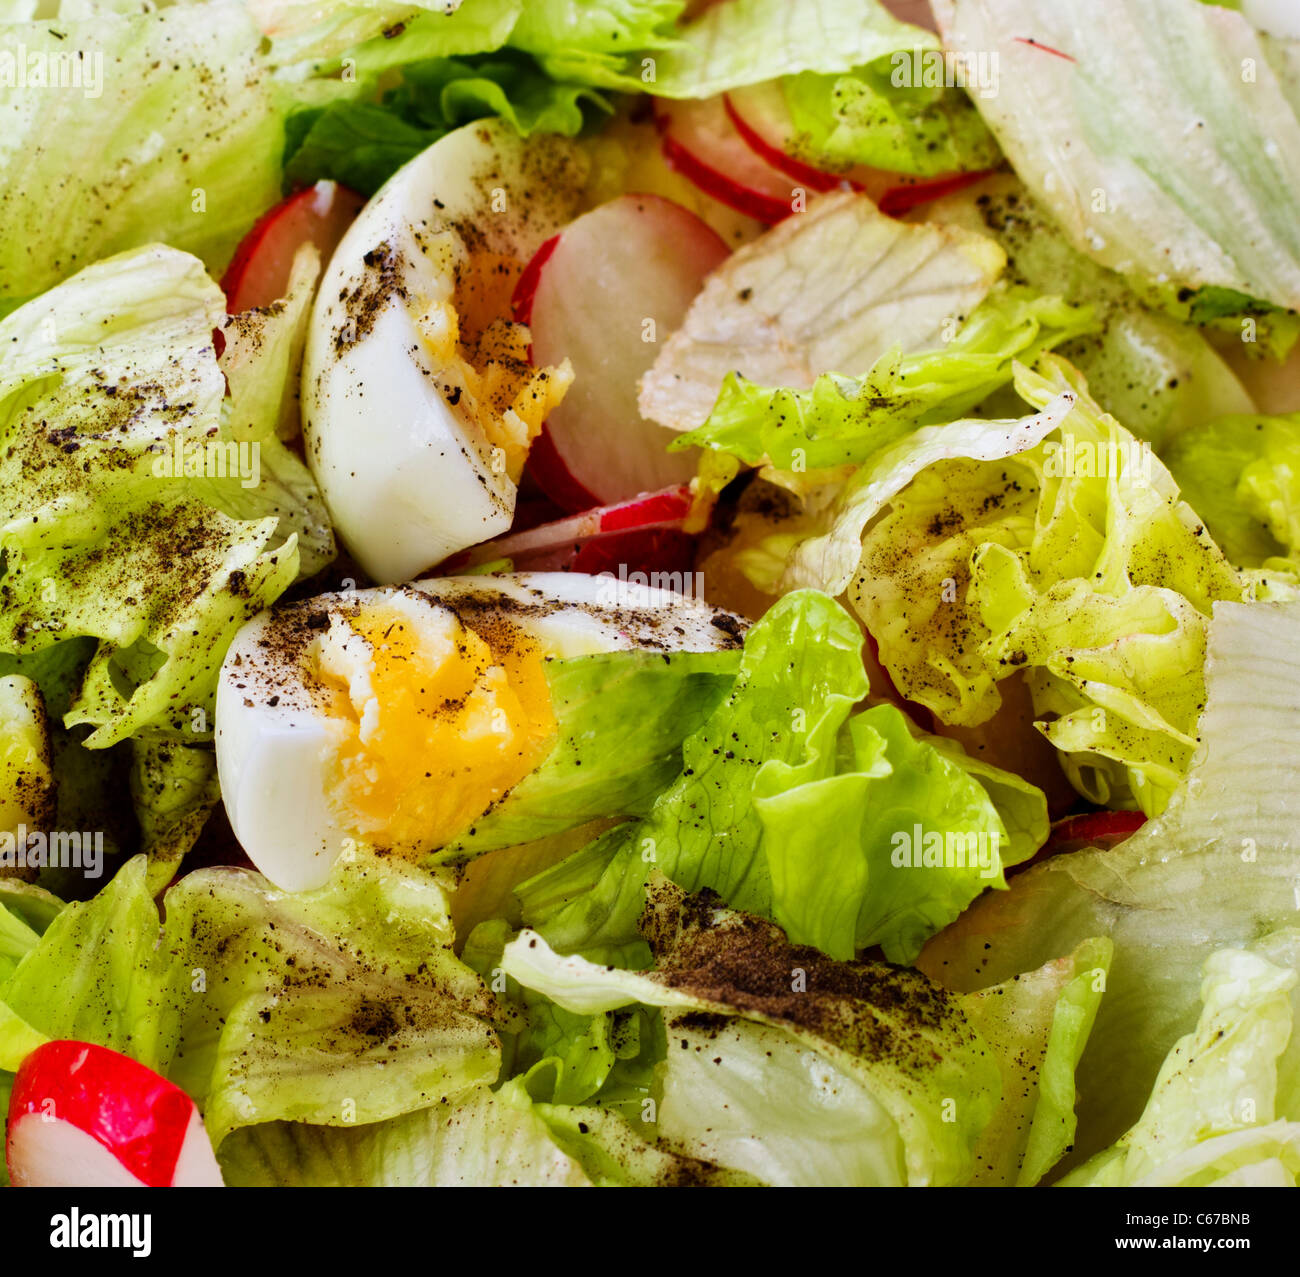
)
(1212, 1119)
(883, 1079)
(121, 452)
(832, 290)
(126, 153)
(1189, 200)
(1217, 868)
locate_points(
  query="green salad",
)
(633, 593)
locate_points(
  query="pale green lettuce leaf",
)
(262, 363)
(187, 156)
(829, 560)
(599, 42)
(1073, 559)
(173, 790)
(829, 291)
(904, 1074)
(108, 379)
(876, 116)
(484, 1139)
(1217, 868)
(748, 41)
(17, 1040)
(803, 824)
(339, 1005)
(800, 673)
(615, 1154)
(890, 847)
(1242, 475)
(377, 34)
(845, 420)
(99, 974)
(1157, 375)
(1038, 1024)
(648, 701)
(1218, 1083)
(1202, 194)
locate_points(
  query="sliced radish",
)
(82, 1116)
(603, 294)
(702, 143)
(641, 535)
(761, 117)
(258, 273)
(762, 121)
(1092, 829)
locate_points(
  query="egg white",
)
(408, 474)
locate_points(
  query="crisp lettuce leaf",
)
(1157, 375)
(1073, 559)
(100, 974)
(117, 436)
(483, 1139)
(173, 790)
(889, 848)
(598, 42)
(829, 558)
(361, 142)
(1038, 1024)
(832, 290)
(379, 34)
(339, 1005)
(1217, 868)
(1242, 475)
(1212, 1109)
(872, 116)
(800, 673)
(262, 362)
(806, 823)
(844, 420)
(873, 1049)
(614, 1153)
(187, 157)
(649, 701)
(1202, 194)
(749, 41)
(336, 1006)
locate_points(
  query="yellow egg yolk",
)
(493, 383)
(438, 721)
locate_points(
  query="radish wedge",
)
(604, 293)
(83, 1116)
(258, 273)
(641, 535)
(702, 143)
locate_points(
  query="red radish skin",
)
(591, 298)
(641, 535)
(1102, 828)
(762, 121)
(701, 143)
(749, 112)
(149, 1125)
(1093, 829)
(258, 273)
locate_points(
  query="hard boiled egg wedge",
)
(419, 402)
(394, 717)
